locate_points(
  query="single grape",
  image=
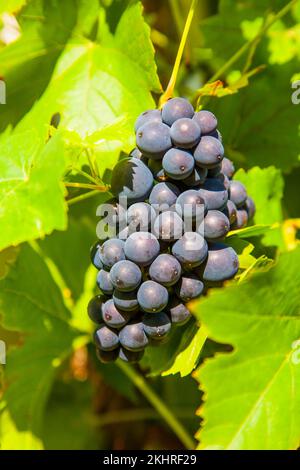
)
(153, 139)
(107, 356)
(241, 219)
(163, 195)
(104, 282)
(152, 297)
(227, 167)
(125, 275)
(190, 204)
(176, 108)
(126, 301)
(237, 193)
(130, 356)
(190, 250)
(216, 225)
(168, 226)
(206, 120)
(141, 248)
(132, 179)
(112, 251)
(106, 338)
(140, 216)
(197, 177)
(178, 164)
(214, 193)
(151, 115)
(230, 211)
(156, 325)
(179, 313)
(165, 269)
(185, 133)
(222, 263)
(250, 207)
(189, 287)
(157, 171)
(95, 256)
(114, 317)
(95, 308)
(209, 152)
(133, 337)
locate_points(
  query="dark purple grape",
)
(206, 120)
(106, 339)
(178, 164)
(216, 225)
(222, 263)
(153, 139)
(104, 282)
(230, 211)
(250, 207)
(227, 167)
(241, 219)
(237, 193)
(112, 251)
(189, 287)
(95, 308)
(107, 356)
(95, 256)
(152, 297)
(156, 325)
(176, 108)
(125, 276)
(130, 356)
(151, 115)
(190, 250)
(126, 301)
(179, 313)
(141, 248)
(140, 216)
(131, 179)
(209, 152)
(112, 316)
(168, 226)
(163, 195)
(197, 177)
(133, 337)
(185, 133)
(190, 204)
(214, 193)
(165, 270)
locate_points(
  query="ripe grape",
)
(165, 269)
(227, 167)
(153, 139)
(107, 356)
(141, 248)
(163, 194)
(197, 177)
(168, 226)
(206, 120)
(178, 164)
(106, 338)
(130, 356)
(151, 115)
(214, 194)
(190, 204)
(189, 287)
(112, 316)
(230, 211)
(126, 301)
(152, 297)
(95, 256)
(125, 276)
(222, 263)
(176, 108)
(179, 313)
(241, 219)
(209, 152)
(250, 207)
(156, 325)
(216, 225)
(190, 250)
(104, 282)
(133, 337)
(132, 179)
(185, 133)
(95, 308)
(237, 193)
(112, 251)
(140, 216)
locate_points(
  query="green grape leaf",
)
(7, 259)
(13, 439)
(11, 6)
(251, 231)
(31, 192)
(31, 303)
(252, 395)
(266, 188)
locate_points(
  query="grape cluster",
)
(155, 265)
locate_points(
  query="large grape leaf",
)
(31, 192)
(252, 395)
(31, 303)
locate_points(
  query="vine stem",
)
(171, 85)
(82, 197)
(256, 38)
(87, 186)
(158, 404)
